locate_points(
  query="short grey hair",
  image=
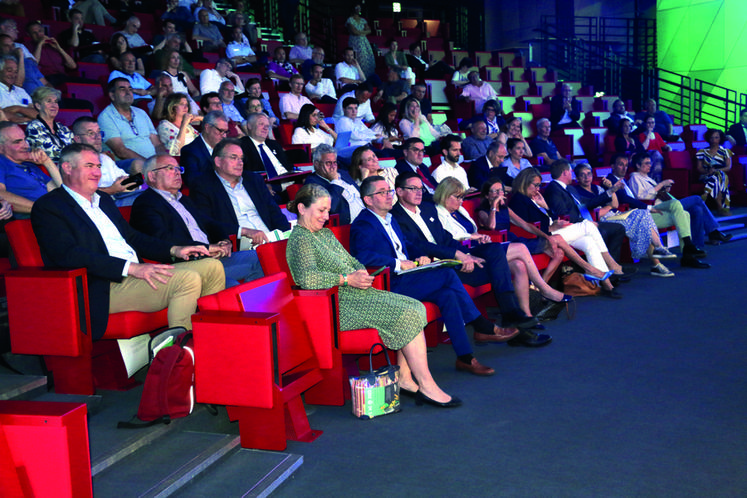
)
(251, 120)
(320, 151)
(150, 164)
(6, 58)
(213, 116)
(542, 121)
(42, 92)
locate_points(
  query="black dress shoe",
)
(539, 326)
(691, 261)
(530, 339)
(693, 251)
(421, 398)
(518, 320)
(612, 294)
(718, 237)
(619, 279)
(550, 311)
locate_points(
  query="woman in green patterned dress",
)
(318, 261)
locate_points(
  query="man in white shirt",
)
(360, 134)
(321, 89)
(140, 86)
(345, 197)
(134, 40)
(210, 79)
(239, 50)
(451, 148)
(291, 103)
(301, 50)
(477, 91)
(363, 95)
(349, 72)
(14, 100)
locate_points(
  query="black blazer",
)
(445, 246)
(338, 203)
(196, 161)
(561, 203)
(253, 161)
(154, 216)
(737, 132)
(403, 166)
(212, 199)
(69, 239)
(529, 212)
(557, 111)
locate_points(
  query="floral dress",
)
(39, 136)
(316, 261)
(716, 180)
(362, 48)
(167, 133)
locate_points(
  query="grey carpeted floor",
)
(645, 396)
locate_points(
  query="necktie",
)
(269, 167)
(427, 182)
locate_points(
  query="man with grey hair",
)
(163, 212)
(262, 154)
(134, 40)
(140, 86)
(14, 100)
(542, 146)
(211, 79)
(488, 166)
(476, 145)
(346, 199)
(226, 93)
(196, 156)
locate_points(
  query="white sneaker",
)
(661, 271)
(662, 252)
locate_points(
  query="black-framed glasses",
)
(221, 130)
(414, 189)
(537, 185)
(460, 197)
(417, 151)
(171, 168)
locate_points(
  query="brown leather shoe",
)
(499, 335)
(475, 368)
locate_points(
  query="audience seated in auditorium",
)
(349, 72)
(140, 86)
(418, 91)
(396, 59)
(627, 142)
(395, 89)
(160, 57)
(213, 15)
(317, 57)
(460, 227)
(263, 154)
(254, 105)
(176, 130)
(345, 197)
(254, 89)
(617, 116)
(664, 124)
(364, 163)
(30, 77)
(317, 260)
(76, 37)
(196, 156)
(163, 88)
(22, 182)
(128, 131)
(94, 12)
(492, 114)
(386, 125)
(477, 91)
(319, 88)
(565, 110)
(360, 134)
(451, 149)
(178, 16)
(45, 132)
(239, 50)
(311, 128)
(227, 94)
(86, 131)
(130, 32)
(168, 39)
(515, 162)
(529, 204)
(208, 33)
(291, 103)
(180, 80)
(654, 144)
(162, 211)
(543, 146)
(476, 145)
(14, 101)
(640, 228)
(737, 133)
(460, 77)
(488, 167)
(54, 61)
(363, 95)
(713, 165)
(423, 69)
(513, 129)
(210, 79)
(237, 198)
(414, 153)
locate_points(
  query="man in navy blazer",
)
(196, 156)
(485, 263)
(343, 191)
(618, 173)
(414, 152)
(488, 166)
(249, 210)
(162, 211)
(376, 240)
(78, 227)
(258, 126)
(562, 203)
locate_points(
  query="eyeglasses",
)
(221, 130)
(536, 185)
(91, 134)
(417, 150)
(460, 197)
(496, 191)
(330, 163)
(385, 193)
(414, 189)
(171, 168)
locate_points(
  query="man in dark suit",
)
(485, 263)
(196, 156)
(737, 133)
(414, 152)
(239, 200)
(376, 240)
(565, 110)
(162, 211)
(78, 227)
(562, 203)
(257, 142)
(344, 195)
(488, 166)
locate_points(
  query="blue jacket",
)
(338, 203)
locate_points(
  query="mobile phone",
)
(378, 271)
(137, 179)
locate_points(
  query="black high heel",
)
(421, 398)
(408, 393)
(565, 299)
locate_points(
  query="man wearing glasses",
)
(485, 263)
(86, 131)
(79, 228)
(345, 197)
(197, 156)
(262, 154)
(376, 239)
(238, 199)
(128, 131)
(163, 212)
(414, 152)
(488, 166)
(291, 103)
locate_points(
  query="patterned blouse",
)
(41, 137)
(167, 133)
